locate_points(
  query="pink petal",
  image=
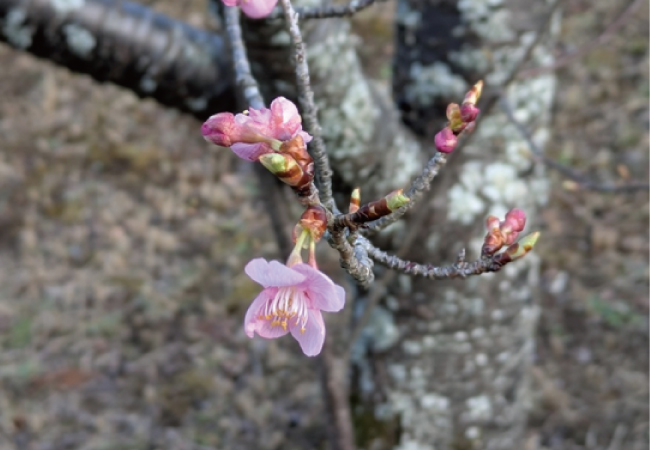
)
(321, 290)
(230, 2)
(306, 137)
(250, 152)
(251, 321)
(257, 9)
(265, 330)
(311, 341)
(286, 121)
(272, 274)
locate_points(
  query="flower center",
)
(288, 305)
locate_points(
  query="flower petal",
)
(250, 152)
(257, 9)
(311, 341)
(272, 273)
(321, 290)
(265, 330)
(251, 321)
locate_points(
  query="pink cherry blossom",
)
(258, 132)
(291, 302)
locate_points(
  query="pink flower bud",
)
(516, 218)
(511, 237)
(220, 128)
(469, 112)
(445, 140)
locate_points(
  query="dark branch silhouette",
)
(127, 44)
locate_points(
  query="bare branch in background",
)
(582, 181)
(127, 44)
(567, 59)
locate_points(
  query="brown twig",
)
(582, 181)
(309, 111)
(334, 378)
(567, 59)
(419, 186)
(379, 287)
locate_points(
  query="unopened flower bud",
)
(396, 200)
(455, 119)
(492, 222)
(493, 242)
(355, 200)
(314, 220)
(521, 248)
(445, 140)
(474, 94)
(469, 112)
(516, 218)
(220, 129)
(298, 150)
(284, 167)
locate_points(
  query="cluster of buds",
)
(506, 232)
(460, 118)
(273, 136)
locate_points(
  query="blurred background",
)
(123, 236)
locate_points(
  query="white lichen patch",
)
(431, 82)
(479, 407)
(79, 40)
(412, 348)
(381, 331)
(502, 184)
(472, 59)
(66, 6)
(434, 402)
(464, 205)
(18, 33)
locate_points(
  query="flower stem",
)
(295, 256)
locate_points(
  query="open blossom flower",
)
(257, 133)
(291, 302)
(255, 9)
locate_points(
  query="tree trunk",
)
(454, 375)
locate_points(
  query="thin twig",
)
(379, 287)
(567, 59)
(583, 181)
(419, 186)
(249, 89)
(243, 75)
(306, 97)
(330, 11)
